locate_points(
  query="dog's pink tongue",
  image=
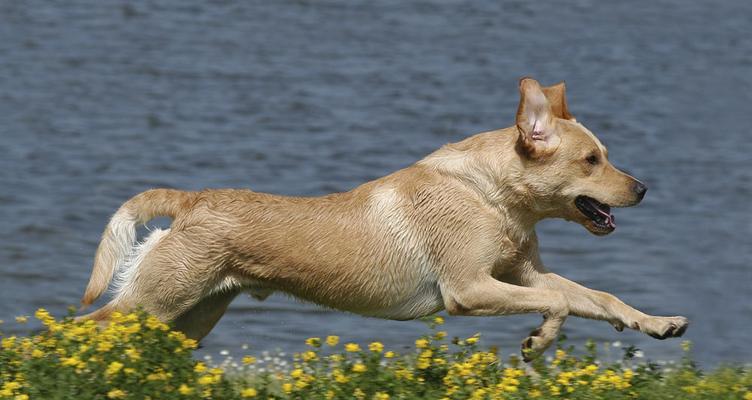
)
(610, 219)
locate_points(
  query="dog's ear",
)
(557, 97)
(535, 121)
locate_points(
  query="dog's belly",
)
(426, 300)
(389, 303)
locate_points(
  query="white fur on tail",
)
(128, 267)
(120, 235)
(122, 232)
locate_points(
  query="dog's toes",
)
(681, 330)
(675, 328)
(528, 354)
(533, 346)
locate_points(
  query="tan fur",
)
(454, 231)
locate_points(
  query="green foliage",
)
(135, 356)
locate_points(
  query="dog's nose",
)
(639, 188)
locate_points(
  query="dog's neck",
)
(489, 165)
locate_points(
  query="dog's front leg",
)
(488, 296)
(595, 304)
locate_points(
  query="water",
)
(99, 101)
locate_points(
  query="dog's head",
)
(566, 171)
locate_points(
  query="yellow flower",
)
(250, 392)
(113, 368)
(247, 360)
(116, 394)
(472, 340)
(8, 342)
(44, 316)
(440, 335)
(189, 344)
(421, 343)
(359, 367)
(287, 388)
(200, 367)
(438, 321)
(160, 375)
(509, 388)
(381, 396)
(332, 340)
(479, 394)
(534, 393)
(22, 319)
(133, 354)
(339, 377)
(154, 323)
(590, 369)
(206, 380)
(71, 361)
(104, 346)
(376, 347)
(10, 387)
(352, 347)
(403, 373)
(389, 354)
(296, 373)
(308, 356)
(185, 389)
(748, 396)
(132, 328)
(36, 353)
(21, 397)
(313, 342)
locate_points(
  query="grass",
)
(138, 357)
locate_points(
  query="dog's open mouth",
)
(597, 212)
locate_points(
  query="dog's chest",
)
(512, 255)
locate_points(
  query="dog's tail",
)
(120, 234)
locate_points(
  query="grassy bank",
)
(138, 357)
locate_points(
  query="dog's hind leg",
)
(175, 282)
(198, 321)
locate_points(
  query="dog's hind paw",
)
(534, 345)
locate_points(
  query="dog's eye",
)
(592, 159)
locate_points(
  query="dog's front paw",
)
(534, 345)
(664, 327)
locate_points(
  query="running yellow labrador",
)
(455, 232)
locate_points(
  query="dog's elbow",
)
(456, 305)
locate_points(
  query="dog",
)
(455, 232)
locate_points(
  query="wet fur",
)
(454, 231)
